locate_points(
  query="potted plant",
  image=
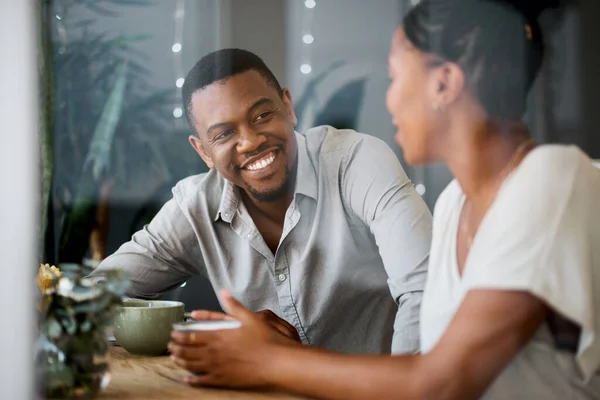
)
(75, 313)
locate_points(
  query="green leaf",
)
(62, 313)
(121, 40)
(70, 325)
(99, 153)
(142, 3)
(118, 289)
(84, 293)
(105, 72)
(70, 274)
(86, 326)
(90, 307)
(53, 328)
(119, 168)
(84, 308)
(101, 10)
(83, 23)
(69, 267)
(157, 154)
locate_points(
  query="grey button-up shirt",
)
(355, 231)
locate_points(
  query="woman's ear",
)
(447, 84)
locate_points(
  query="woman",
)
(511, 306)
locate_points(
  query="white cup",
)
(195, 326)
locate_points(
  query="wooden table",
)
(149, 378)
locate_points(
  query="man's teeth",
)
(260, 164)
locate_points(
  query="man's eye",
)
(263, 116)
(224, 134)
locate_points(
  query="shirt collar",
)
(230, 200)
(306, 177)
(306, 183)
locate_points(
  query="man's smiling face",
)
(246, 132)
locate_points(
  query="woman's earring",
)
(437, 107)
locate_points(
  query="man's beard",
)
(273, 195)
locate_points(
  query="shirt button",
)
(281, 277)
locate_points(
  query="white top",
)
(541, 235)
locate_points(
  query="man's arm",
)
(161, 256)
(380, 193)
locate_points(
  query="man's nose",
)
(249, 140)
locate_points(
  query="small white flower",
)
(85, 292)
(65, 286)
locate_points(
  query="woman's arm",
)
(488, 330)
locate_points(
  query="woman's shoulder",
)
(553, 185)
(557, 161)
(554, 171)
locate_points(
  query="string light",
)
(305, 65)
(307, 38)
(179, 17)
(305, 68)
(61, 30)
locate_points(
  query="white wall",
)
(257, 26)
(19, 155)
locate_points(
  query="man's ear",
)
(287, 100)
(199, 147)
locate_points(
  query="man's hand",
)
(231, 357)
(267, 316)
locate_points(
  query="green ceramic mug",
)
(143, 327)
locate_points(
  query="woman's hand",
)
(232, 357)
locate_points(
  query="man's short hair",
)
(221, 65)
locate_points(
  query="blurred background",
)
(114, 139)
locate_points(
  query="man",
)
(318, 228)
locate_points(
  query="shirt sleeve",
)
(379, 192)
(541, 236)
(159, 257)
